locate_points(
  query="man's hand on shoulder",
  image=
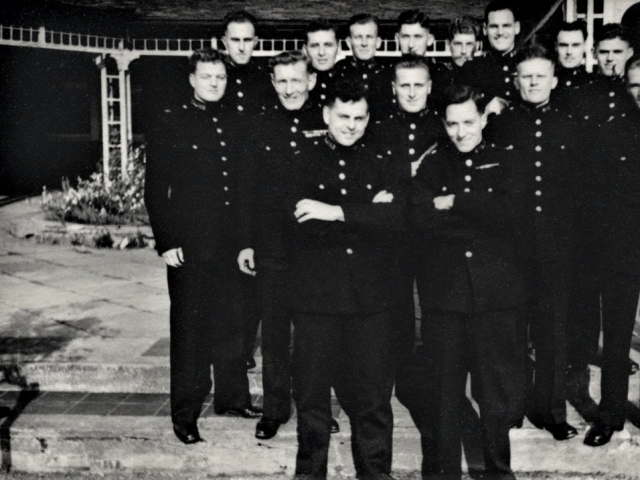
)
(173, 257)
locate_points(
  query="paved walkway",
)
(84, 349)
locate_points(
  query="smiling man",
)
(322, 48)
(413, 33)
(340, 209)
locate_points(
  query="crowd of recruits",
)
(343, 187)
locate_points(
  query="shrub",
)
(92, 203)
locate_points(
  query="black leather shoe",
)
(246, 412)
(599, 435)
(561, 431)
(266, 428)
(633, 367)
(335, 428)
(187, 433)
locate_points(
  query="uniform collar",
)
(534, 109)
(204, 106)
(336, 147)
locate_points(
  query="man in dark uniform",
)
(493, 73)
(571, 45)
(191, 196)
(599, 104)
(280, 136)
(322, 48)
(620, 264)
(548, 142)
(248, 93)
(341, 208)
(465, 205)
(364, 40)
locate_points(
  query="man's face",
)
(240, 40)
(363, 40)
(535, 79)
(411, 88)
(463, 48)
(612, 55)
(413, 39)
(633, 84)
(501, 30)
(346, 121)
(464, 123)
(209, 81)
(570, 47)
(322, 48)
(292, 83)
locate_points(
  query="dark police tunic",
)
(342, 283)
(492, 74)
(249, 88)
(470, 286)
(191, 194)
(324, 83)
(549, 144)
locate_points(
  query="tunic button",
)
(412, 137)
(215, 119)
(343, 191)
(296, 121)
(507, 80)
(623, 158)
(238, 81)
(240, 94)
(612, 94)
(568, 83)
(469, 163)
(321, 187)
(467, 178)
(538, 121)
(195, 147)
(240, 108)
(369, 186)
(490, 189)
(538, 164)
(412, 151)
(538, 178)
(538, 134)
(226, 189)
(538, 209)
(444, 189)
(349, 251)
(294, 129)
(323, 96)
(505, 68)
(538, 148)
(293, 144)
(219, 130)
(466, 190)
(365, 76)
(223, 144)
(508, 94)
(538, 193)
(469, 254)
(342, 163)
(225, 174)
(224, 159)
(324, 85)
(342, 176)
(227, 203)
(412, 126)
(612, 105)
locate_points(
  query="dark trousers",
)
(619, 306)
(206, 329)
(489, 346)
(250, 315)
(276, 338)
(360, 348)
(549, 290)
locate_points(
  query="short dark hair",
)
(362, 19)
(290, 57)
(532, 51)
(320, 25)
(409, 17)
(463, 25)
(614, 30)
(457, 94)
(577, 26)
(239, 16)
(498, 5)
(348, 90)
(412, 61)
(632, 64)
(204, 55)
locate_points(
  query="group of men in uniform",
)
(314, 193)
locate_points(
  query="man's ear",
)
(326, 111)
(378, 43)
(554, 82)
(430, 40)
(349, 43)
(517, 28)
(224, 42)
(313, 78)
(192, 79)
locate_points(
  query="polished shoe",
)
(633, 367)
(266, 428)
(246, 412)
(187, 433)
(599, 434)
(560, 431)
(335, 428)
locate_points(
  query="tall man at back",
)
(322, 48)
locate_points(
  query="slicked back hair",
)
(578, 26)
(348, 90)
(457, 94)
(412, 61)
(239, 16)
(614, 30)
(362, 19)
(498, 5)
(532, 51)
(320, 25)
(464, 25)
(409, 17)
(204, 55)
(290, 57)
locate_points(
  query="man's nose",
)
(322, 52)
(289, 88)
(241, 46)
(351, 124)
